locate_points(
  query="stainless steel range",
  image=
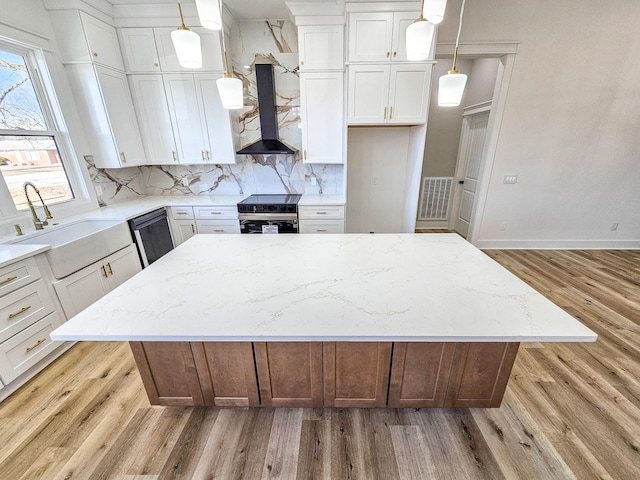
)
(269, 214)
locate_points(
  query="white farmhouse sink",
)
(79, 244)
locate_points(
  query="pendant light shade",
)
(433, 10)
(209, 14)
(187, 45)
(419, 40)
(450, 89)
(230, 90)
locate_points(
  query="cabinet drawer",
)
(182, 213)
(206, 213)
(24, 350)
(212, 226)
(319, 211)
(321, 226)
(18, 274)
(24, 307)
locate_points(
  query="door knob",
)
(461, 182)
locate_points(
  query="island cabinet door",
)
(168, 373)
(419, 374)
(479, 374)
(227, 373)
(289, 373)
(356, 374)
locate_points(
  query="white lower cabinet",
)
(79, 290)
(185, 222)
(182, 230)
(321, 218)
(217, 226)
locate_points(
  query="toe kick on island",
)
(326, 374)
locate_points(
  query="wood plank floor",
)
(570, 411)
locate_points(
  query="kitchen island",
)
(396, 320)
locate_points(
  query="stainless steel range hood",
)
(269, 143)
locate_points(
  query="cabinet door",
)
(356, 374)
(321, 226)
(401, 20)
(122, 265)
(184, 107)
(322, 113)
(139, 47)
(182, 230)
(122, 117)
(289, 373)
(168, 373)
(409, 93)
(370, 37)
(79, 290)
(219, 135)
(368, 94)
(227, 373)
(155, 123)
(102, 40)
(217, 226)
(420, 374)
(480, 374)
(321, 47)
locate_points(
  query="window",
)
(29, 140)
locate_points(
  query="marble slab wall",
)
(252, 42)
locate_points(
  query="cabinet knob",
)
(95, 54)
(155, 64)
(395, 53)
(388, 54)
(301, 62)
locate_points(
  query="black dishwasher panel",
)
(152, 235)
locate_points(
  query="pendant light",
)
(229, 87)
(187, 45)
(434, 10)
(419, 38)
(209, 14)
(451, 86)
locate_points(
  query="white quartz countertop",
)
(15, 253)
(351, 287)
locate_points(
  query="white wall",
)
(481, 81)
(570, 128)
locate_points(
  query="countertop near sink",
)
(13, 253)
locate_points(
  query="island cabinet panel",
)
(227, 373)
(289, 373)
(420, 374)
(356, 374)
(168, 373)
(479, 374)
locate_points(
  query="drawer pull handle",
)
(321, 213)
(216, 213)
(35, 345)
(104, 271)
(321, 230)
(22, 310)
(181, 213)
(109, 267)
(218, 230)
(390, 113)
(9, 279)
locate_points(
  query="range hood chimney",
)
(269, 143)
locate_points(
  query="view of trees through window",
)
(28, 149)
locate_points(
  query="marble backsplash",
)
(253, 42)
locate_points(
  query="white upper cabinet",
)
(105, 106)
(379, 37)
(321, 47)
(322, 116)
(388, 94)
(83, 38)
(139, 48)
(153, 117)
(211, 51)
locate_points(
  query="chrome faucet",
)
(40, 224)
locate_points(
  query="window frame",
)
(46, 94)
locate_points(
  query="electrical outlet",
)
(314, 181)
(503, 226)
(510, 179)
(614, 226)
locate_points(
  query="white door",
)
(321, 112)
(474, 130)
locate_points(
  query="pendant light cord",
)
(455, 52)
(227, 73)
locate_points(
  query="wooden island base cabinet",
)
(329, 374)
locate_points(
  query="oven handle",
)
(268, 216)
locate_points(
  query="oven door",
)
(268, 223)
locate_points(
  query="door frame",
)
(462, 160)
(506, 53)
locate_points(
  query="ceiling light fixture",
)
(419, 38)
(187, 45)
(434, 10)
(451, 86)
(230, 88)
(209, 14)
